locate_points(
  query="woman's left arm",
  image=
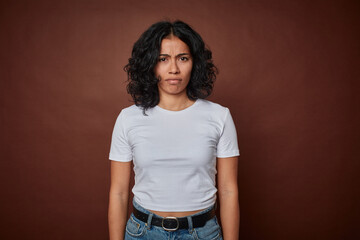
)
(227, 172)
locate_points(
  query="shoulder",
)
(129, 113)
(133, 109)
(213, 107)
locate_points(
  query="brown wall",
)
(289, 72)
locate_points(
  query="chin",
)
(174, 91)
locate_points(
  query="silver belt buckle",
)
(170, 229)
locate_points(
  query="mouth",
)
(173, 80)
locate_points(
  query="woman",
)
(177, 141)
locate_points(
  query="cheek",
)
(189, 72)
(157, 71)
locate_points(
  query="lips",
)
(173, 80)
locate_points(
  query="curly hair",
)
(142, 82)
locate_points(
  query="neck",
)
(175, 103)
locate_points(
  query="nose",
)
(174, 68)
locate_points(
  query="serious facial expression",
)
(174, 66)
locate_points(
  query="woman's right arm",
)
(118, 199)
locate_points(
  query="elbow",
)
(123, 195)
(228, 192)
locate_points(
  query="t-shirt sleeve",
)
(228, 145)
(120, 149)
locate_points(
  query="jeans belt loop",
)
(190, 223)
(149, 220)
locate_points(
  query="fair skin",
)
(174, 70)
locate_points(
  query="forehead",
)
(173, 44)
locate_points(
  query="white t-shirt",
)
(174, 153)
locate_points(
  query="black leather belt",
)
(174, 223)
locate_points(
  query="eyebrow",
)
(180, 54)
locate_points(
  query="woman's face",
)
(174, 67)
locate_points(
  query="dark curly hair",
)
(142, 82)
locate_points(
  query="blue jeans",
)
(136, 229)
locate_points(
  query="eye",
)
(162, 59)
(184, 59)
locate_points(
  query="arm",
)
(118, 199)
(228, 196)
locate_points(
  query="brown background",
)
(289, 72)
